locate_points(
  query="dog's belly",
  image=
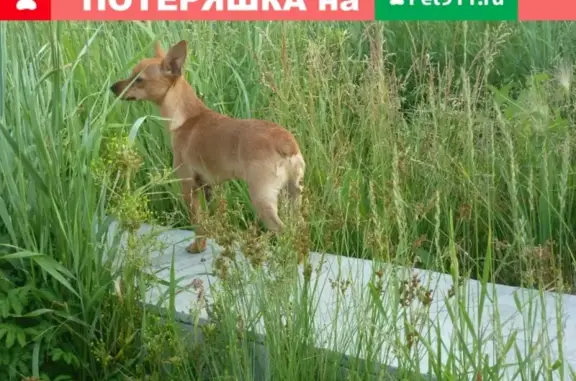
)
(211, 177)
(213, 168)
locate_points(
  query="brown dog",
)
(210, 148)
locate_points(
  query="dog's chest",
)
(177, 120)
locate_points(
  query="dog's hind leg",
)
(264, 197)
(208, 195)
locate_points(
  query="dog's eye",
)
(138, 79)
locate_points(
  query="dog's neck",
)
(180, 104)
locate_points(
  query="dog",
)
(209, 148)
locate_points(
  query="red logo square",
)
(25, 10)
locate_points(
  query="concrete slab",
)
(514, 322)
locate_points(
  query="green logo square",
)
(447, 10)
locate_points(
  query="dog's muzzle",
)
(114, 88)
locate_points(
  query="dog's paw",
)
(197, 247)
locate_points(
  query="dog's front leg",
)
(199, 244)
(191, 195)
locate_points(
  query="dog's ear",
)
(175, 58)
(158, 49)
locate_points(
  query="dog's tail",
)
(296, 171)
(286, 146)
(285, 143)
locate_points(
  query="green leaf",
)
(7, 220)
(36, 360)
(21, 338)
(56, 270)
(20, 255)
(135, 128)
(10, 338)
(16, 304)
(5, 309)
(35, 313)
(56, 355)
(30, 170)
(63, 378)
(557, 364)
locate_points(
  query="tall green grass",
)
(427, 144)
